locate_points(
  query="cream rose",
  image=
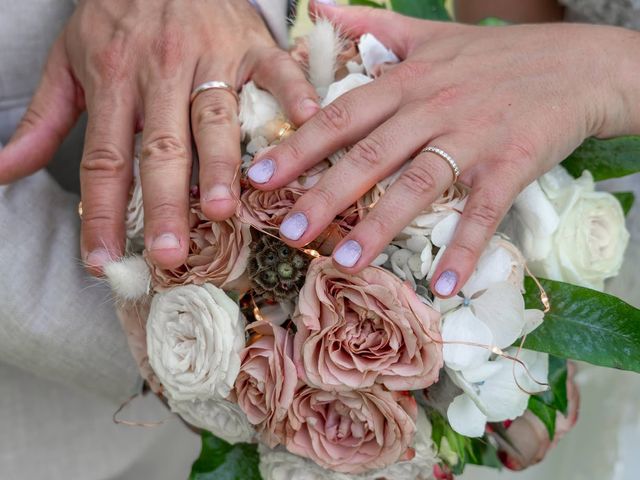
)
(588, 245)
(194, 339)
(218, 254)
(267, 380)
(358, 330)
(351, 432)
(221, 417)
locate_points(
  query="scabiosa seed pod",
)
(277, 271)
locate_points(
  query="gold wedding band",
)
(214, 85)
(448, 158)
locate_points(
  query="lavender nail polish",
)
(446, 283)
(294, 226)
(262, 171)
(348, 254)
(327, 2)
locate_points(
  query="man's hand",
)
(132, 65)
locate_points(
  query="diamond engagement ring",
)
(214, 85)
(445, 156)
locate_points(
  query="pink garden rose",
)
(267, 380)
(351, 432)
(218, 254)
(528, 439)
(358, 330)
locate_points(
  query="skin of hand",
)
(508, 103)
(132, 64)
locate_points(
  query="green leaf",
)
(605, 159)
(626, 199)
(221, 461)
(556, 396)
(545, 413)
(366, 3)
(427, 9)
(585, 325)
(492, 22)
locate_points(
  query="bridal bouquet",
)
(296, 370)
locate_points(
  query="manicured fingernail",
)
(327, 2)
(348, 254)
(309, 106)
(98, 258)
(217, 193)
(166, 241)
(446, 283)
(294, 226)
(262, 171)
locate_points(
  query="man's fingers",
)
(105, 177)
(53, 111)
(276, 71)
(165, 171)
(424, 180)
(215, 126)
(371, 160)
(489, 201)
(340, 124)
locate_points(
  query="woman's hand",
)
(507, 103)
(133, 64)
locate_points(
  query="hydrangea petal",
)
(463, 326)
(465, 417)
(501, 308)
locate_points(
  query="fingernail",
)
(327, 2)
(98, 258)
(294, 227)
(217, 193)
(166, 241)
(446, 283)
(262, 171)
(310, 106)
(348, 254)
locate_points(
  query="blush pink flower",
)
(267, 380)
(218, 254)
(351, 432)
(528, 441)
(358, 330)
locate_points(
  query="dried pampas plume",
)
(129, 278)
(325, 43)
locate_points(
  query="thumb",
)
(396, 31)
(53, 111)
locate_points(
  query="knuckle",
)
(407, 73)
(335, 117)
(163, 210)
(169, 47)
(379, 224)
(164, 148)
(366, 153)
(484, 213)
(111, 62)
(215, 112)
(418, 181)
(464, 248)
(322, 197)
(104, 158)
(519, 151)
(445, 96)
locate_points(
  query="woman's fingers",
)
(372, 159)
(216, 130)
(426, 177)
(165, 171)
(491, 197)
(105, 176)
(53, 111)
(340, 124)
(276, 71)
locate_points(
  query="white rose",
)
(194, 338)
(589, 242)
(279, 464)
(260, 115)
(222, 418)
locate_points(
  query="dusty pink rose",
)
(351, 432)
(528, 439)
(218, 254)
(358, 330)
(265, 210)
(267, 380)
